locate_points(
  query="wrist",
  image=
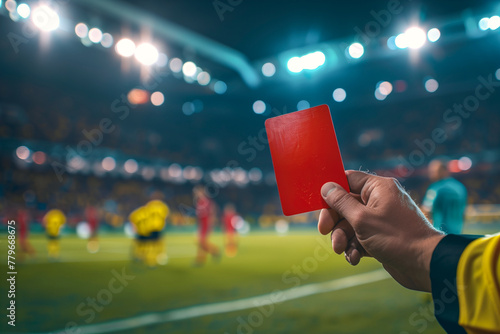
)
(424, 252)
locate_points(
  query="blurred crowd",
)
(54, 118)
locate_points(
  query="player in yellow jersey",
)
(149, 221)
(138, 218)
(157, 214)
(53, 221)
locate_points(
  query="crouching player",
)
(158, 212)
(149, 221)
(53, 221)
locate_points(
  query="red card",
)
(305, 156)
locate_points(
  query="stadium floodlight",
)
(356, 50)
(401, 41)
(413, 38)
(259, 107)
(189, 69)
(23, 10)
(125, 47)
(81, 30)
(494, 22)
(339, 95)
(45, 18)
(146, 54)
(433, 35)
(95, 35)
(268, 69)
(431, 85)
(312, 61)
(294, 65)
(484, 23)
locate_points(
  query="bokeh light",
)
(379, 96)
(391, 43)
(39, 157)
(125, 47)
(131, 166)
(10, 5)
(339, 95)
(484, 23)
(157, 98)
(220, 87)
(22, 152)
(433, 35)
(494, 22)
(464, 163)
(162, 60)
(45, 18)
(189, 69)
(175, 65)
(81, 30)
(294, 65)
(303, 105)
(23, 10)
(385, 88)
(188, 108)
(431, 85)
(268, 69)
(203, 78)
(95, 35)
(356, 50)
(138, 96)
(108, 163)
(107, 40)
(146, 54)
(259, 107)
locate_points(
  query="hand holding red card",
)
(305, 156)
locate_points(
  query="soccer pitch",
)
(299, 284)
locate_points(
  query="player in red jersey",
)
(23, 223)
(229, 218)
(205, 212)
(92, 217)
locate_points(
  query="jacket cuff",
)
(443, 273)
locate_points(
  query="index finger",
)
(357, 180)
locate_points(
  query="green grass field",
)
(50, 296)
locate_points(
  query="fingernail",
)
(348, 258)
(327, 189)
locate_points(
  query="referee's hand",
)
(378, 218)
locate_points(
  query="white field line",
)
(234, 305)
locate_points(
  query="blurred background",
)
(106, 105)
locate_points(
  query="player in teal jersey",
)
(445, 200)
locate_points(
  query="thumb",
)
(342, 202)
